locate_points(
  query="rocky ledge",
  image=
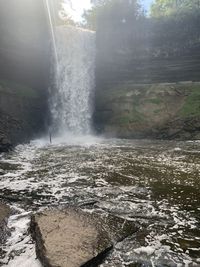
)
(73, 238)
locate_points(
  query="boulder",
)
(73, 238)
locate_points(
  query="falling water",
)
(71, 103)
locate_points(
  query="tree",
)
(120, 10)
(58, 13)
(168, 7)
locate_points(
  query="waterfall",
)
(74, 81)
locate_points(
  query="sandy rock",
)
(67, 239)
(73, 238)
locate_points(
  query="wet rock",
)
(159, 111)
(4, 213)
(73, 238)
(68, 239)
(5, 144)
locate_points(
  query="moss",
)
(191, 107)
(157, 111)
(10, 87)
(156, 101)
(133, 117)
(122, 120)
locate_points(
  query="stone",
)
(73, 238)
(5, 144)
(4, 213)
(158, 111)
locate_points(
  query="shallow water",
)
(154, 184)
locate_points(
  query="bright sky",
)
(147, 3)
(78, 7)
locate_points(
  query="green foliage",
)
(176, 30)
(90, 18)
(170, 7)
(132, 117)
(111, 10)
(64, 18)
(155, 101)
(59, 14)
(191, 107)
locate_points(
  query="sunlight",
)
(75, 8)
(99, 133)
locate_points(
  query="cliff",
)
(143, 69)
(164, 111)
(24, 70)
(22, 114)
(147, 50)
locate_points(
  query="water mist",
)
(71, 102)
(74, 81)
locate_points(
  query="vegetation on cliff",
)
(174, 7)
(169, 111)
(112, 10)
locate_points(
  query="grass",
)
(10, 87)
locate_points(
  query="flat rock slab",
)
(72, 238)
(68, 239)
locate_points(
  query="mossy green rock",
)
(168, 111)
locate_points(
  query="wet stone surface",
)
(73, 238)
(4, 214)
(152, 184)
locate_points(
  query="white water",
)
(72, 100)
(121, 177)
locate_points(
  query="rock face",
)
(4, 213)
(164, 111)
(135, 57)
(24, 70)
(73, 238)
(22, 113)
(146, 50)
(5, 144)
(68, 239)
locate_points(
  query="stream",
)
(154, 184)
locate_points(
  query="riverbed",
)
(154, 184)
